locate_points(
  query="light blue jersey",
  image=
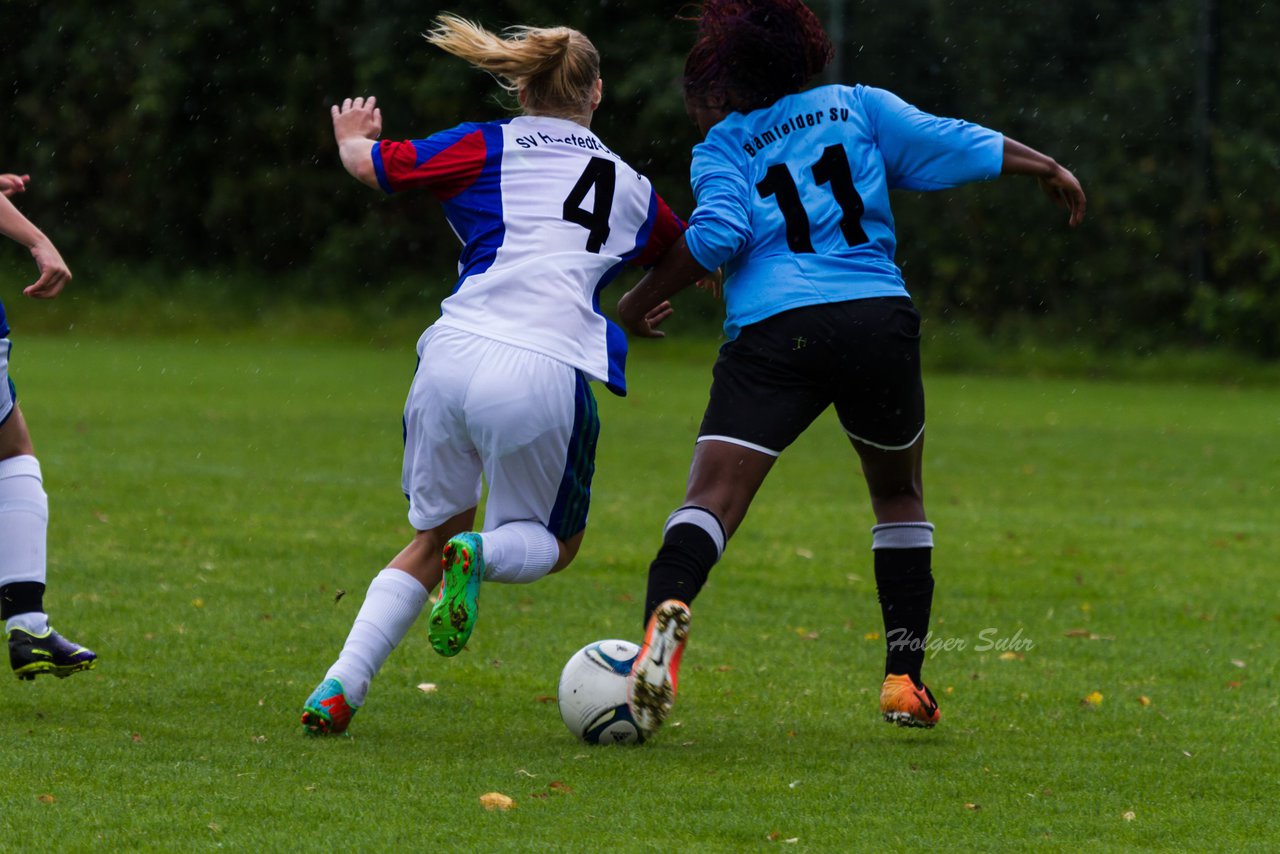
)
(793, 199)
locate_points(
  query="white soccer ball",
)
(593, 693)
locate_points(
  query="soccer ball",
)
(593, 693)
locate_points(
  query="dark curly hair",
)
(750, 53)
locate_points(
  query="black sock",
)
(904, 581)
(683, 563)
(21, 597)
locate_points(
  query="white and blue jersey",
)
(793, 199)
(547, 216)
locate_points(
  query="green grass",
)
(213, 495)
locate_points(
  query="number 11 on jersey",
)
(832, 168)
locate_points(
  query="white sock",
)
(394, 600)
(24, 520)
(33, 623)
(519, 552)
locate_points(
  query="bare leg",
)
(15, 439)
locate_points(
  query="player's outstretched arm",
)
(1056, 180)
(357, 124)
(53, 270)
(643, 308)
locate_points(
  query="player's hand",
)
(648, 328)
(645, 326)
(53, 271)
(1064, 190)
(10, 183)
(357, 118)
(713, 283)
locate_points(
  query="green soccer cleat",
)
(33, 655)
(327, 711)
(454, 614)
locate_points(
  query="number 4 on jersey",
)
(832, 168)
(600, 174)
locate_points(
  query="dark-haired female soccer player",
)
(792, 190)
(547, 215)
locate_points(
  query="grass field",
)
(1105, 566)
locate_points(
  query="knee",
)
(568, 551)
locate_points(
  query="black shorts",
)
(778, 375)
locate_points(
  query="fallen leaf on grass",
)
(337, 596)
(427, 687)
(496, 801)
(136, 738)
(1129, 815)
(544, 698)
(1237, 662)
(1094, 699)
(871, 636)
(1012, 656)
(973, 807)
(1088, 635)
(1234, 683)
(557, 786)
(46, 798)
(1144, 700)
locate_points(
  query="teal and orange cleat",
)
(327, 711)
(651, 686)
(906, 703)
(32, 655)
(454, 614)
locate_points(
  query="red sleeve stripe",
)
(666, 228)
(445, 172)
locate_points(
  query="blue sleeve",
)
(721, 223)
(924, 152)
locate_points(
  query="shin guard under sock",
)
(692, 542)
(904, 582)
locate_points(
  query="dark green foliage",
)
(182, 136)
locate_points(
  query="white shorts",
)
(526, 422)
(7, 394)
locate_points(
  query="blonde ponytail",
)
(555, 67)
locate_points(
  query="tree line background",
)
(171, 136)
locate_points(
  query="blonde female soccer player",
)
(547, 215)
